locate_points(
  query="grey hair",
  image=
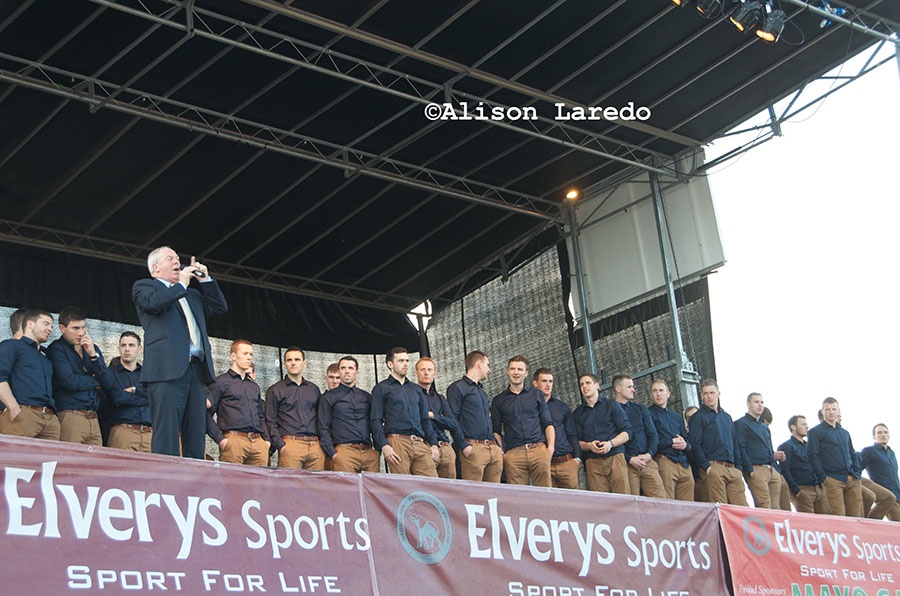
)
(153, 257)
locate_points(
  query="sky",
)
(806, 306)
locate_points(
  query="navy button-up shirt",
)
(238, 405)
(796, 468)
(443, 417)
(520, 418)
(292, 409)
(28, 372)
(643, 436)
(602, 422)
(831, 452)
(564, 424)
(344, 417)
(881, 462)
(755, 440)
(128, 407)
(713, 438)
(77, 380)
(399, 408)
(668, 424)
(469, 403)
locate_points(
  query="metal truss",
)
(92, 91)
(135, 254)
(221, 28)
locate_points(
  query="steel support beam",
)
(136, 254)
(687, 379)
(195, 119)
(580, 285)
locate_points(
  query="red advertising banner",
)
(82, 519)
(469, 538)
(774, 553)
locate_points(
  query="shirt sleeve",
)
(814, 447)
(376, 417)
(650, 430)
(324, 425)
(272, 418)
(571, 432)
(212, 429)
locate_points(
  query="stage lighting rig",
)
(748, 16)
(771, 30)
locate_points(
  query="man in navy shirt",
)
(755, 441)
(806, 492)
(672, 446)
(881, 463)
(400, 424)
(292, 415)
(129, 415)
(442, 419)
(835, 462)
(240, 425)
(480, 456)
(566, 458)
(79, 376)
(345, 433)
(602, 429)
(332, 376)
(643, 471)
(523, 428)
(715, 448)
(26, 382)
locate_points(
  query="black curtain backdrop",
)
(52, 280)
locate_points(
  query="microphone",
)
(197, 273)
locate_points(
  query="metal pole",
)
(579, 283)
(423, 339)
(686, 377)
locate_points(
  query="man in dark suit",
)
(177, 357)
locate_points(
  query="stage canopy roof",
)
(286, 144)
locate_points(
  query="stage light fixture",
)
(707, 7)
(774, 25)
(748, 16)
(680, 3)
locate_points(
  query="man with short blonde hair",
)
(240, 425)
(835, 462)
(441, 417)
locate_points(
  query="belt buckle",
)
(416, 438)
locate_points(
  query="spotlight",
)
(573, 195)
(748, 16)
(773, 27)
(680, 3)
(706, 7)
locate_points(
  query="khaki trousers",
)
(79, 426)
(415, 457)
(765, 487)
(350, 458)
(446, 468)
(810, 500)
(844, 498)
(130, 437)
(244, 450)
(875, 494)
(724, 484)
(32, 423)
(564, 474)
(302, 453)
(484, 464)
(522, 463)
(607, 474)
(677, 481)
(647, 480)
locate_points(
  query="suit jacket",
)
(166, 337)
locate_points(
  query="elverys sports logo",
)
(756, 535)
(423, 526)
